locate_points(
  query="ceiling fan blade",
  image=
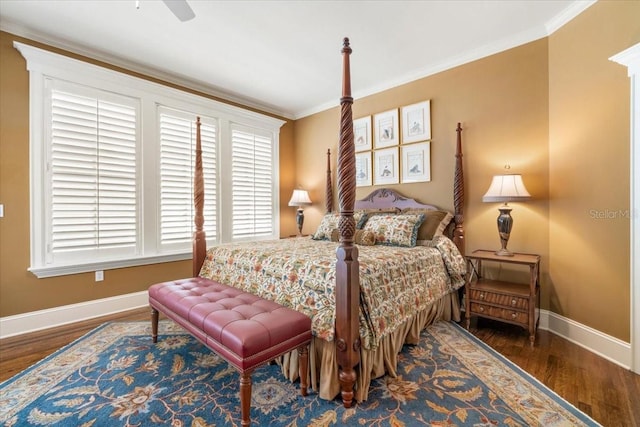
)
(181, 9)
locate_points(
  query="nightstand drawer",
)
(503, 300)
(500, 313)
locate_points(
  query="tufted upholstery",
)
(244, 329)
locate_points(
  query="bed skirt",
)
(373, 363)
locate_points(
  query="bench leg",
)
(154, 324)
(245, 398)
(303, 365)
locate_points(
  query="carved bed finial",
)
(346, 80)
(345, 45)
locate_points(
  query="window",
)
(111, 167)
(177, 153)
(91, 175)
(252, 184)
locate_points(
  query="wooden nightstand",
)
(510, 302)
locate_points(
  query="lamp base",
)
(503, 252)
(505, 222)
(300, 220)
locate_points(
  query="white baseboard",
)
(58, 316)
(606, 346)
(612, 349)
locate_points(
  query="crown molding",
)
(151, 72)
(519, 39)
(573, 10)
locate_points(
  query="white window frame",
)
(44, 65)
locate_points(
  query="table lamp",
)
(300, 198)
(506, 188)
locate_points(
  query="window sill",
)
(62, 270)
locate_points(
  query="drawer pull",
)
(481, 295)
(514, 315)
(481, 309)
(514, 302)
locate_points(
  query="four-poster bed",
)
(346, 289)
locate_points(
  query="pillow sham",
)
(435, 222)
(362, 237)
(395, 230)
(330, 222)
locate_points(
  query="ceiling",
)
(284, 56)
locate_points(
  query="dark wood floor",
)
(601, 389)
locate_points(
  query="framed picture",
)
(362, 134)
(386, 129)
(416, 122)
(363, 169)
(416, 162)
(385, 166)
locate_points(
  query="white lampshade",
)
(300, 198)
(506, 188)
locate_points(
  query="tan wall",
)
(502, 103)
(589, 167)
(22, 292)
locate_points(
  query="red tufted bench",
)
(245, 330)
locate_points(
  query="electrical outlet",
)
(99, 276)
(1, 210)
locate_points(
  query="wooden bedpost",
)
(458, 196)
(329, 189)
(199, 237)
(347, 267)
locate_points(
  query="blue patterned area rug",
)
(115, 376)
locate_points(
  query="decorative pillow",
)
(365, 238)
(435, 222)
(362, 237)
(361, 218)
(330, 222)
(395, 230)
(369, 212)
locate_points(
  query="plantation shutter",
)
(252, 183)
(92, 171)
(177, 154)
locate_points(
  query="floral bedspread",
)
(395, 282)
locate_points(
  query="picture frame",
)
(363, 169)
(416, 162)
(362, 133)
(385, 166)
(416, 122)
(386, 129)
